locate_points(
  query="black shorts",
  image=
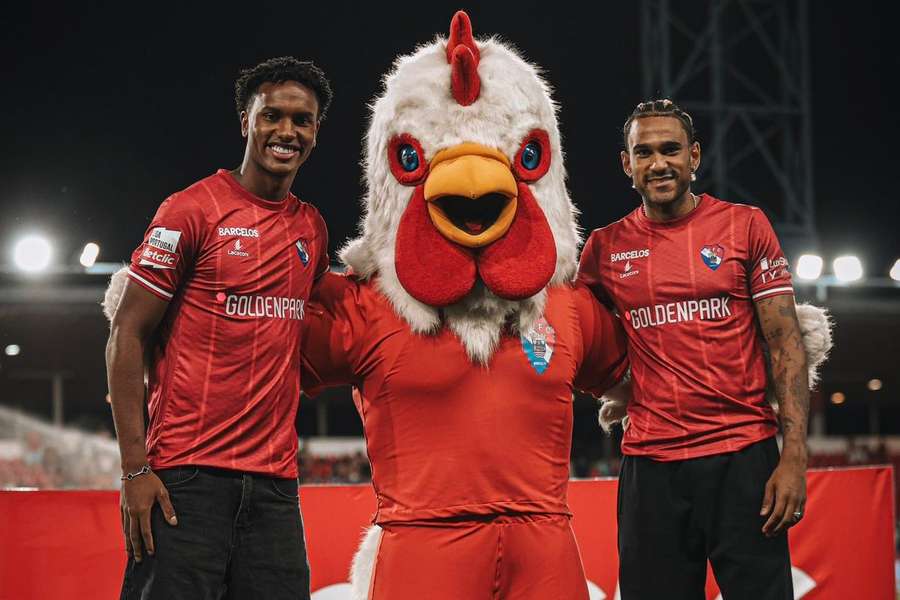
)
(673, 516)
(238, 536)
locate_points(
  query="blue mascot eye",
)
(409, 158)
(531, 156)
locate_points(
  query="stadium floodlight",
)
(809, 266)
(847, 268)
(89, 254)
(895, 270)
(12, 350)
(32, 253)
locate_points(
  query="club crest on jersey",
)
(538, 343)
(302, 252)
(712, 255)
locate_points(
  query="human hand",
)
(137, 499)
(785, 496)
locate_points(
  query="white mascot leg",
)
(364, 563)
(815, 327)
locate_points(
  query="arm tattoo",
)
(787, 366)
(773, 333)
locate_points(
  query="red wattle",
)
(522, 262)
(431, 268)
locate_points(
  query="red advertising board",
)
(69, 544)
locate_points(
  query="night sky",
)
(109, 109)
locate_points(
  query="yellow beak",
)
(471, 194)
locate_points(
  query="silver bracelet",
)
(129, 476)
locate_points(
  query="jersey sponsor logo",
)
(628, 270)
(263, 307)
(712, 255)
(538, 343)
(238, 249)
(164, 239)
(704, 309)
(629, 255)
(158, 259)
(765, 264)
(239, 232)
(773, 269)
(302, 252)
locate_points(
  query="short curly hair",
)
(277, 70)
(660, 108)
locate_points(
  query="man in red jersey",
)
(216, 295)
(700, 284)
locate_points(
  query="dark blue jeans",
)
(238, 536)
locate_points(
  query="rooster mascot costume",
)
(462, 332)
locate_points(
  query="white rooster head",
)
(467, 218)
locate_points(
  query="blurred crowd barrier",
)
(346, 468)
(35, 454)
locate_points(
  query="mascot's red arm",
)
(332, 324)
(605, 361)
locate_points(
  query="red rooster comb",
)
(463, 56)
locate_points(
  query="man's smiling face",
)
(660, 159)
(280, 124)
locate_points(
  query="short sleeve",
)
(333, 330)
(604, 359)
(170, 247)
(768, 272)
(589, 268)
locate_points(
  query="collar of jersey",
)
(673, 223)
(247, 195)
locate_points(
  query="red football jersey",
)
(685, 290)
(225, 374)
(447, 437)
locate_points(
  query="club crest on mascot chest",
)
(538, 344)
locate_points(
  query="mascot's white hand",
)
(612, 412)
(815, 327)
(114, 293)
(614, 404)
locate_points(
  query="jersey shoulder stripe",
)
(152, 286)
(779, 290)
